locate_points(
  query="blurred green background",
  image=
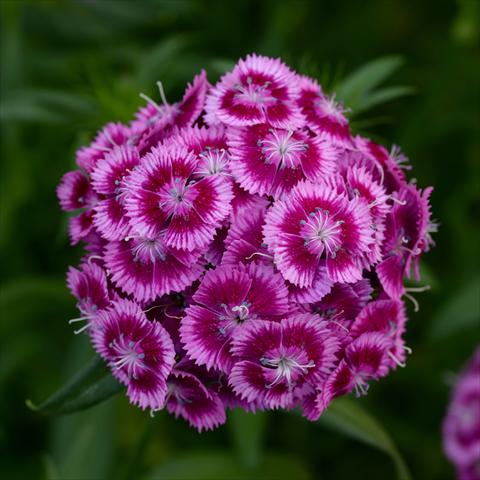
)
(68, 67)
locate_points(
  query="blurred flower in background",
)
(461, 427)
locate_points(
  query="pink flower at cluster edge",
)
(243, 248)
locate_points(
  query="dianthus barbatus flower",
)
(225, 302)
(323, 115)
(316, 223)
(279, 363)
(111, 136)
(155, 122)
(140, 353)
(164, 198)
(366, 358)
(267, 160)
(406, 238)
(209, 146)
(108, 180)
(343, 302)
(246, 232)
(89, 287)
(189, 398)
(75, 193)
(147, 268)
(244, 241)
(258, 90)
(461, 427)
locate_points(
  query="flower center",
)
(213, 161)
(329, 107)
(322, 233)
(233, 317)
(287, 368)
(128, 355)
(176, 197)
(178, 393)
(149, 250)
(253, 92)
(281, 149)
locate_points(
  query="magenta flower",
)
(140, 353)
(461, 427)
(243, 250)
(147, 268)
(209, 146)
(387, 317)
(244, 242)
(258, 90)
(189, 398)
(226, 301)
(165, 199)
(272, 161)
(387, 166)
(314, 224)
(89, 287)
(323, 115)
(407, 236)
(156, 122)
(279, 363)
(111, 136)
(343, 302)
(366, 358)
(75, 193)
(108, 180)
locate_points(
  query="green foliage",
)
(461, 312)
(357, 90)
(348, 417)
(248, 432)
(219, 465)
(92, 385)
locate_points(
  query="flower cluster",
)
(244, 248)
(461, 427)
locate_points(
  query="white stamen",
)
(259, 254)
(396, 360)
(152, 102)
(416, 306)
(162, 93)
(94, 257)
(80, 330)
(418, 289)
(79, 319)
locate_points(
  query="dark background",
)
(68, 67)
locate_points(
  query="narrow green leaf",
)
(461, 312)
(221, 465)
(159, 60)
(382, 96)
(248, 431)
(347, 416)
(366, 78)
(44, 106)
(90, 386)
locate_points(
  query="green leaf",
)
(353, 89)
(461, 312)
(90, 386)
(89, 450)
(221, 465)
(41, 105)
(248, 432)
(159, 60)
(381, 96)
(347, 416)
